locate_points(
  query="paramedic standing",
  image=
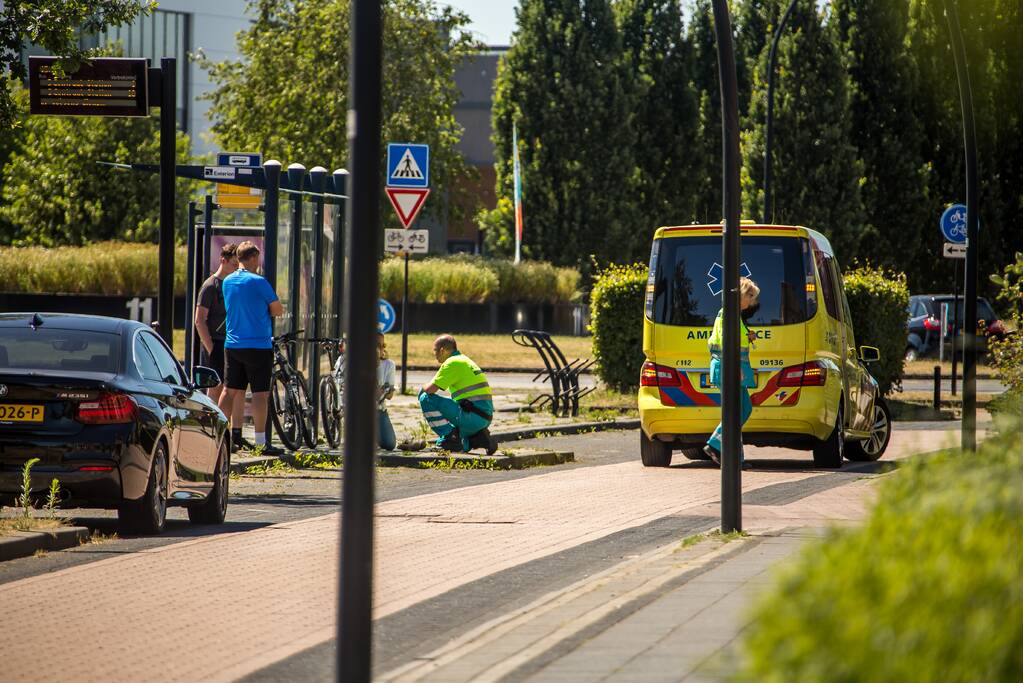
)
(461, 421)
(749, 293)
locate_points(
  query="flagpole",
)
(517, 192)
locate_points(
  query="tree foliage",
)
(54, 193)
(287, 96)
(55, 26)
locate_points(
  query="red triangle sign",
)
(407, 202)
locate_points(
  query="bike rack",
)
(563, 375)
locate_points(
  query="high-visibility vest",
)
(463, 378)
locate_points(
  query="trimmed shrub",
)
(113, 268)
(878, 301)
(616, 314)
(929, 589)
(438, 281)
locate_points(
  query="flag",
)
(518, 193)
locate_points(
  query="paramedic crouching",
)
(461, 421)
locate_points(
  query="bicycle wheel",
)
(305, 410)
(330, 411)
(286, 423)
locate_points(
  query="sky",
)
(492, 20)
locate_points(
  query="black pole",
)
(772, 58)
(340, 180)
(271, 209)
(404, 328)
(731, 445)
(355, 606)
(969, 429)
(955, 322)
(937, 387)
(317, 182)
(296, 176)
(168, 132)
(190, 288)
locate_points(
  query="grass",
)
(488, 350)
(277, 467)
(925, 366)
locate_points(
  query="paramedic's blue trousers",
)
(745, 409)
(444, 414)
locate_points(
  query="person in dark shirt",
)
(251, 305)
(211, 326)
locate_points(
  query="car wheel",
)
(830, 451)
(213, 510)
(911, 354)
(873, 448)
(695, 454)
(148, 514)
(653, 452)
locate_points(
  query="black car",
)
(109, 413)
(925, 323)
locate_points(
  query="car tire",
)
(828, 453)
(695, 454)
(148, 514)
(873, 448)
(213, 510)
(654, 453)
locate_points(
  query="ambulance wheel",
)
(653, 452)
(830, 451)
(695, 454)
(873, 448)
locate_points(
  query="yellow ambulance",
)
(813, 390)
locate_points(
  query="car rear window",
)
(684, 286)
(22, 348)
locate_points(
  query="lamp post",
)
(731, 442)
(772, 58)
(969, 429)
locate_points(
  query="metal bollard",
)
(937, 387)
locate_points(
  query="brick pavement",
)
(217, 608)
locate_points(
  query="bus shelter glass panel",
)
(328, 316)
(283, 323)
(304, 307)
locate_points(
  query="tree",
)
(53, 25)
(564, 86)
(887, 133)
(658, 56)
(55, 194)
(705, 201)
(287, 97)
(816, 173)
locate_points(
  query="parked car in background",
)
(925, 324)
(108, 412)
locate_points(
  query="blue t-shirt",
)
(247, 297)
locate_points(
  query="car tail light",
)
(996, 327)
(931, 323)
(654, 375)
(812, 374)
(96, 468)
(109, 409)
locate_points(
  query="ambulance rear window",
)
(686, 273)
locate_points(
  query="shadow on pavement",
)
(286, 499)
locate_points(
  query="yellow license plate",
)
(15, 412)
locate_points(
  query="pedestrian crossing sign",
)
(408, 165)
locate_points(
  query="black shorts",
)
(249, 367)
(213, 360)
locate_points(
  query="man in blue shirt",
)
(248, 346)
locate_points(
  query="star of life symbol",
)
(717, 273)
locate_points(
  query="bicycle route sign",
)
(953, 224)
(385, 316)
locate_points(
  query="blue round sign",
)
(953, 223)
(385, 316)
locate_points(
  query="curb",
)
(499, 369)
(511, 461)
(25, 543)
(566, 429)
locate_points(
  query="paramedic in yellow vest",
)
(461, 421)
(748, 294)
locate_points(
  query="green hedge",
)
(616, 315)
(929, 589)
(123, 268)
(878, 301)
(114, 268)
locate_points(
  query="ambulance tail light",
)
(812, 374)
(654, 375)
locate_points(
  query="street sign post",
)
(408, 186)
(407, 241)
(954, 228)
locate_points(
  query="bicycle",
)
(291, 411)
(331, 390)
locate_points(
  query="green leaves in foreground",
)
(929, 589)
